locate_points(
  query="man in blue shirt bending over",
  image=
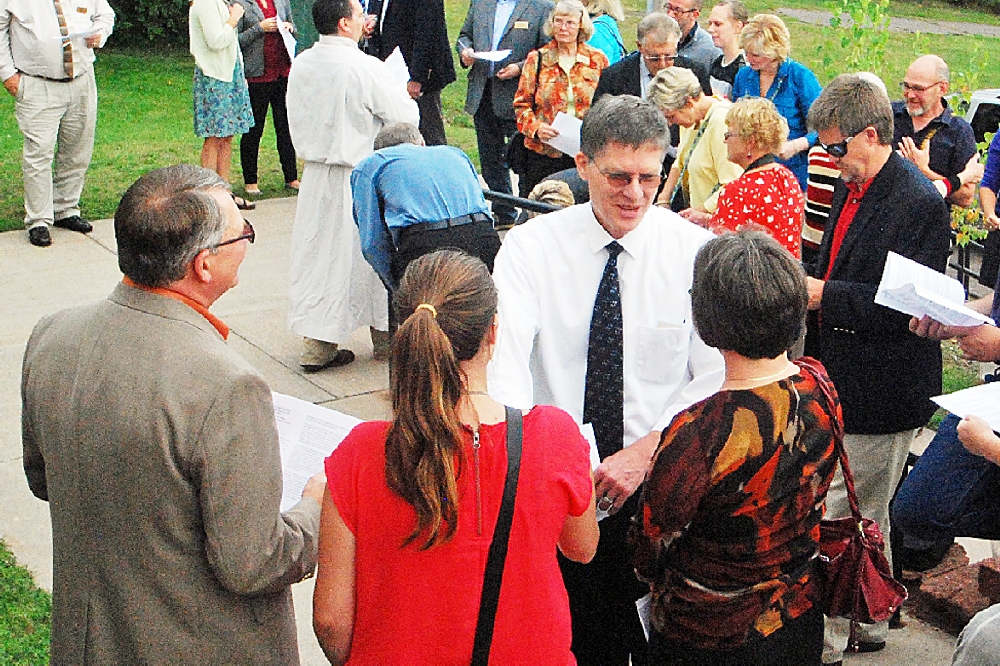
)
(411, 199)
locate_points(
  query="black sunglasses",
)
(839, 149)
(248, 234)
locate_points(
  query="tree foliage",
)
(150, 22)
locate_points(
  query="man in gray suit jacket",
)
(490, 96)
(156, 447)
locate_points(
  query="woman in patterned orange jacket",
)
(728, 530)
(564, 80)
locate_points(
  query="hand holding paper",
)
(916, 290)
(568, 138)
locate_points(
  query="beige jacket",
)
(156, 447)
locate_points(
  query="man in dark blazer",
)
(490, 96)
(657, 36)
(884, 374)
(155, 445)
(418, 28)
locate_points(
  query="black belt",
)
(446, 224)
(47, 78)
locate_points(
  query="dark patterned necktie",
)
(67, 46)
(604, 394)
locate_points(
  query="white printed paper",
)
(308, 433)
(491, 56)
(568, 140)
(397, 65)
(645, 607)
(982, 401)
(76, 35)
(914, 289)
(288, 39)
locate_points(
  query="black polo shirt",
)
(953, 142)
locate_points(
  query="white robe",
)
(338, 100)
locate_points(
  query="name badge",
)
(520, 25)
(81, 10)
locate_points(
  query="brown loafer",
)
(342, 357)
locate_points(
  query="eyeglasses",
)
(623, 179)
(674, 9)
(565, 23)
(730, 135)
(248, 235)
(838, 150)
(907, 87)
(657, 59)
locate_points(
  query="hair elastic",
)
(427, 306)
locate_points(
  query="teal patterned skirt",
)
(221, 108)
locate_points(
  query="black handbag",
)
(498, 547)
(517, 153)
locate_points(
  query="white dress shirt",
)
(30, 40)
(547, 273)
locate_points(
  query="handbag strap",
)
(838, 437)
(498, 548)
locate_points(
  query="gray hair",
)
(672, 87)
(737, 10)
(851, 103)
(398, 133)
(572, 8)
(623, 119)
(748, 295)
(164, 220)
(660, 27)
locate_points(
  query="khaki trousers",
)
(55, 114)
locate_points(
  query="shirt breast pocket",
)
(660, 352)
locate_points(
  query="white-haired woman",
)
(559, 77)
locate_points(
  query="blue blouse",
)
(607, 38)
(793, 91)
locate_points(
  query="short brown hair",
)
(748, 295)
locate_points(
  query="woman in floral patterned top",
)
(565, 80)
(728, 531)
(767, 195)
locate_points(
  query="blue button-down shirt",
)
(404, 185)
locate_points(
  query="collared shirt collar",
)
(857, 191)
(337, 40)
(633, 242)
(194, 305)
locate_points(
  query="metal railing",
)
(963, 261)
(519, 203)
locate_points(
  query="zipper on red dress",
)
(479, 498)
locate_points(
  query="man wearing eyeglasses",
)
(695, 42)
(656, 37)
(562, 278)
(156, 447)
(927, 134)
(884, 374)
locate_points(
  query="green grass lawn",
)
(144, 113)
(25, 614)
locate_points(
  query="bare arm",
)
(334, 595)
(580, 534)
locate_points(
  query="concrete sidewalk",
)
(79, 269)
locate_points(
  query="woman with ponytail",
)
(411, 504)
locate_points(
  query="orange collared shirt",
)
(177, 296)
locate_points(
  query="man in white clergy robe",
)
(548, 273)
(338, 100)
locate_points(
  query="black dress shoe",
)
(866, 646)
(342, 357)
(39, 236)
(75, 223)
